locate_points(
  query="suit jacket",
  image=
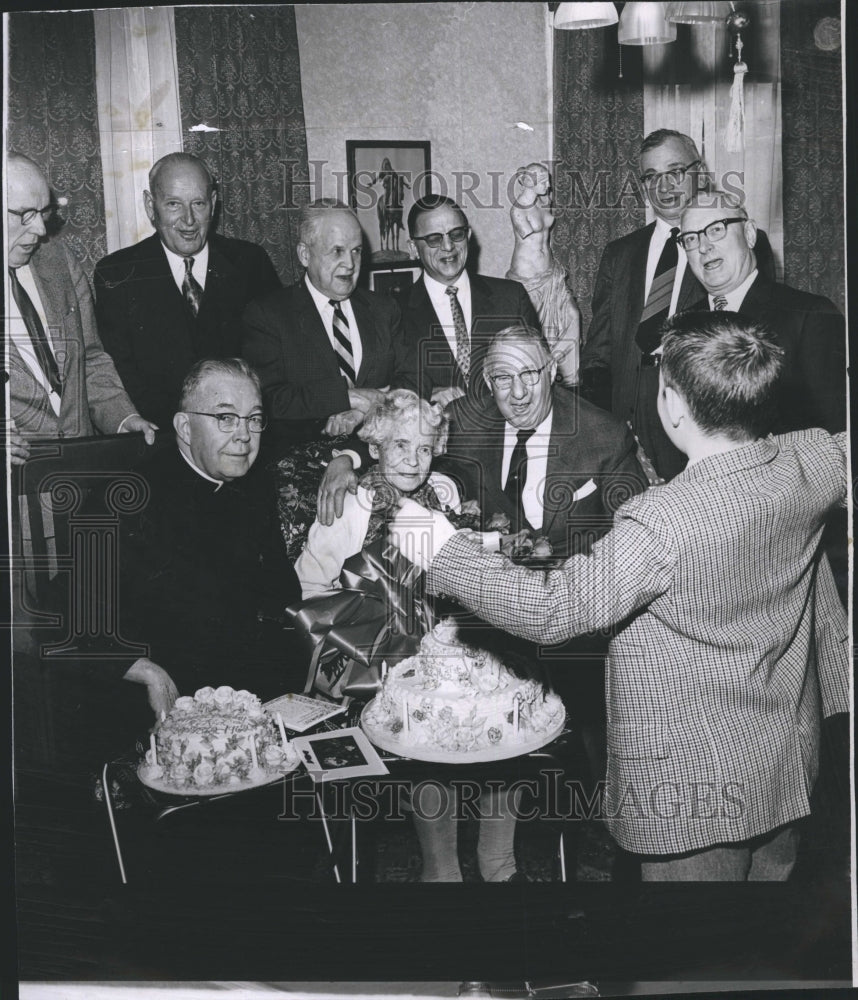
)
(148, 329)
(204, 576)
(93, 398)
(713, 701)
(285, 339)
(592, 467)
(495, 303)
(610, 358)
(812, 332)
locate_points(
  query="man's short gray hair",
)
(212, 367)
(520, 333)
(724, 201)
(312, 216)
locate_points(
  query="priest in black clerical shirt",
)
(204, 571)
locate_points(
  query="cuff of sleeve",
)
(442, 573)
(353, 455)
(124, 421)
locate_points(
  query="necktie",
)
(657, 305)
(720, 302)
(191, 287)
(343, 343)
(41, 347)
(463, 346)
(517, 476)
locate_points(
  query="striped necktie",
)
(463, 345)
(343, 342)
(719, 302)
(191, 288)
(41, 347)
(657, 305)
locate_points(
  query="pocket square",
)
(584, 491)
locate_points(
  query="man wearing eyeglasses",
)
(556, 466)
(61, 381)
(450, 315)
(720, 242)
(643, 279)
(205, 575)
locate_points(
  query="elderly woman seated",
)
(404, 434)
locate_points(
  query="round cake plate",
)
(387, 741)
(191, 791)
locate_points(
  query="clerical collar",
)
(199, 471)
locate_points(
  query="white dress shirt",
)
(441, 304)
(737, 296)
(326, 311)
(656, 245)
(537, 467)
(199, 270)
(20, 335)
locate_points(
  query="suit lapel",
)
(690, 291)
(57, 305)
(315, 335)
(362, 310)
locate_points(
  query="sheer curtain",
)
(138, 110)
(687, 87)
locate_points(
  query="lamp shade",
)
(644, 23)
(585, 15)
(697, 12)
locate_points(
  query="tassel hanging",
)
(734, 133)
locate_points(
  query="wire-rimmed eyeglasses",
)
(228, 422)
(528, 378)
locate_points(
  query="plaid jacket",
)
(731, 637)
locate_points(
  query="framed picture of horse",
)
(385, 179)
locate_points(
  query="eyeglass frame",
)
(465, 230)
(703, 232)
(227, 415)
(651, 180)
(26, 215)
(520, 376)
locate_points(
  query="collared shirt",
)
(737, 296)
(441, 304)
(656, 245)
(537, 466)
(326, 311)
(218, 482)
(199, 270)
(20, 335)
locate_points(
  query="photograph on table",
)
(345, 753)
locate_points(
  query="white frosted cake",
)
(456, 699)
(215, 741)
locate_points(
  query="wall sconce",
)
(701, 12)
(585, 15)
(645, 23)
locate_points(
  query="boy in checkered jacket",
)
(730, 640)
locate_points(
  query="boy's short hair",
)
(726, 367)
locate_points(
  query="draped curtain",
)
(138, 111)
(52, 119)
(243, 113)
(598, 125)
(687, 88)
(813, 148)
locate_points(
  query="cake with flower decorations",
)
(217, 741)
(456, 699)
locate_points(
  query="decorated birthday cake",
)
(216, 740)
(456, 699)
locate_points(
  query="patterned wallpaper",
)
(240, 75)
(598, 125)
(812, 151)
(53, 119)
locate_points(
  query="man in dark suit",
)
(556, 466)
(553, 463)
(62, 384)
(450, 316)
(178, 295)
(643, 279)
(322, 346)
(720, 242)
